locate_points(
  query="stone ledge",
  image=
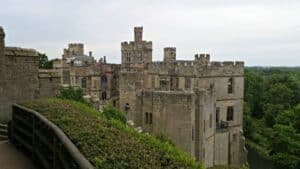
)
(16, 51)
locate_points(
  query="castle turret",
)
(138, 52)
(170, 54)
(138, 34)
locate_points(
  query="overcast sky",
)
(259, 32)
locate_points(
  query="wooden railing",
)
(43, 141)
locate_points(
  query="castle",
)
(198, 104)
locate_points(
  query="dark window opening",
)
(187, 83)
(230, 86)
(83, 82)
(230, 113)
(163, 85)
(103, 82)
(104, 96)
(217, 115)
(148, 118)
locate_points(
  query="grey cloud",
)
(258, 31)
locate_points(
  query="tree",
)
(253, 91)
(72, 94)
(248, 123)
(285, 147)
(44, 63)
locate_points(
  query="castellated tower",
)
(74, 49)
(138, 52)
(169, 54)
(138, 34)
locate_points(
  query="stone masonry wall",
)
(19, 78)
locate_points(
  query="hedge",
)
(110, 143)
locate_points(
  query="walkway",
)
(11, 158)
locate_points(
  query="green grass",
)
(110, 143)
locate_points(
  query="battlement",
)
(226, 64)
(131, 44)
(73, 45)
(16, 51)
(202, 58)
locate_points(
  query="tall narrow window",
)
(217, 114)
(187, 83)
(104, 83)
(230, 113)
(104, 96)
(83, 82)
(230, 85)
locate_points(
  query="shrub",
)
(71, 93)
(110, 143)
(112, 113)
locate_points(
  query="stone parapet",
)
(20, 52)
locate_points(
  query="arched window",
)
(103, 82)
(230, 85)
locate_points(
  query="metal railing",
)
(43, 141)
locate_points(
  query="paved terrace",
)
(11, 158)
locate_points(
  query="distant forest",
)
(272, 114)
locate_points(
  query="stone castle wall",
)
(20, 77)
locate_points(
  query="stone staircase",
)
(3, 132)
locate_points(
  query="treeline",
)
(272, 114)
